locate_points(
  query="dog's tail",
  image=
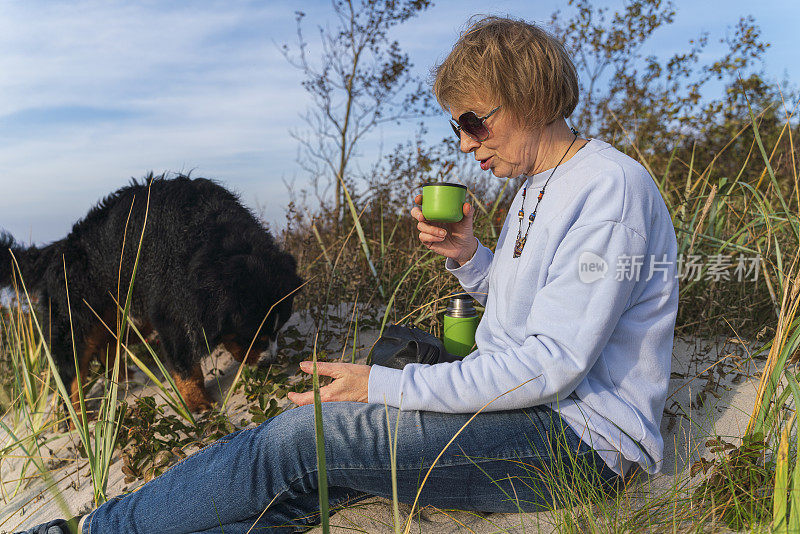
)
(7, 244)
(29, 260)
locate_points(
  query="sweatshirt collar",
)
(538, 179)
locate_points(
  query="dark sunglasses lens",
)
(455, 130)
(473, 125)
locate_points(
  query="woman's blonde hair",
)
(510, 63)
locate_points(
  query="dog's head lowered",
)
(259, 342)
(255, 282)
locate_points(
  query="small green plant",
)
(263, 388)
(736, 486)
(152, 439)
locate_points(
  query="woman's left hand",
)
(350, 383)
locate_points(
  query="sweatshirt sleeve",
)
(569, 323)
(474, 275)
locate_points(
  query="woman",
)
(573, 350)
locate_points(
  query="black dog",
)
(208, 272)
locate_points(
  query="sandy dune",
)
(713, 385)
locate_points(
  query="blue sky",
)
(95, 92)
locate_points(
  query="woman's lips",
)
(485, 163)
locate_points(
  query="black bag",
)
(400, 345)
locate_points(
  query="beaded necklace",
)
(520, 243)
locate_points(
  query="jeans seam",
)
(580, 454)
(89, 519)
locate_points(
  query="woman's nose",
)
(468, 144)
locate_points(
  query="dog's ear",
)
(286, 272)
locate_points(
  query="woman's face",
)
(509, 151)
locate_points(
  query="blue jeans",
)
(502, 462)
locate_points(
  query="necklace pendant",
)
(519, 245)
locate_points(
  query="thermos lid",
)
(460, 305)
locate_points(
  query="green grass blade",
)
(107, 427)
(83, 432)
(393, 462)
(407, 528)
(383, 241)
(663, 183)
(496, 203)
(238, 375)
(84, 421)
(322, 472)
(793, 522)
(361, 236)
(172, 394)
(396, 288)
(767, 406)
(51, 483)
(794, 499)
(394, 228)
(478, 203)
(779, 522)
(770, 172)
(355, 337)
(321, 245)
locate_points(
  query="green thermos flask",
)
(460, 322)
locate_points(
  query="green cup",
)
(443, 201)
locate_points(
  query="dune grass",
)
(750, 481)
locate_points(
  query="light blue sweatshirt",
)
(593, 344)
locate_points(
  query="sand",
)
(713, 384)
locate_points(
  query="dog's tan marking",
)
(193, 390)
(237, 351)
(234, 348)
(96, 344)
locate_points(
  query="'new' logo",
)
(591, 267)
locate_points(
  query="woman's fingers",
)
(431, 229)
(301, 399)
(442, 239)
(464, 226)
(351, 383)
(307, 397)
(429, 233)
(466, 209)
(331, 369)
(430, 241)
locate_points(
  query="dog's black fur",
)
(208, 272)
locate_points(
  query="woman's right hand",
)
(452, 240)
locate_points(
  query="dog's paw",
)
(201, 406)
(193, 392)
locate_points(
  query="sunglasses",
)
(472, 125)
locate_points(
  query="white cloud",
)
(93, 92)
(199, 86)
